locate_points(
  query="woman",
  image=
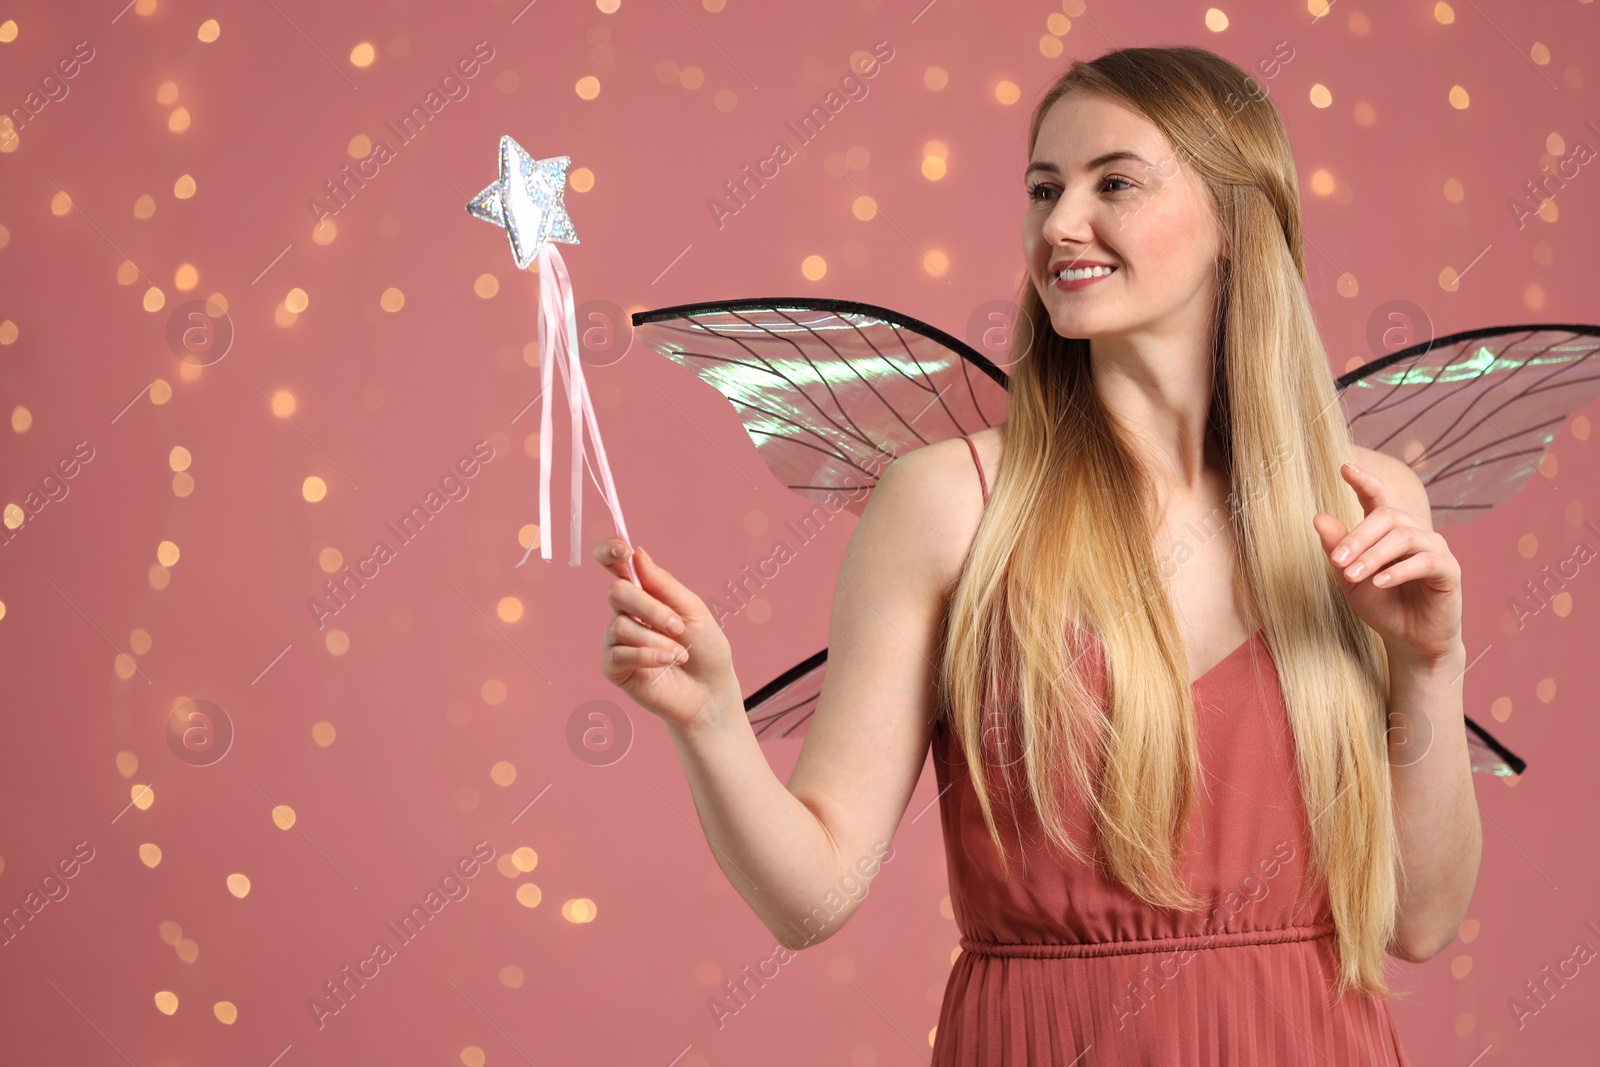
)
(1198, 674)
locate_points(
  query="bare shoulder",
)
(931, 499)
(1405, 488)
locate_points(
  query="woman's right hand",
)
(662, 647)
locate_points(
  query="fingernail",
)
(1341, 555)
(641, 552)
(616, 551)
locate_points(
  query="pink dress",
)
(1062, 965)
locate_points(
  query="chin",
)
(1078, 325)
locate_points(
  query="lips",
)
(1064, 284)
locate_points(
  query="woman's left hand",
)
(1399, 576)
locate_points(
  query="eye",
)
(1037, 190)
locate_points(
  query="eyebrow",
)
(1094, 164)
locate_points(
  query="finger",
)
(1425, 565)
(620, 658)
(612, 553)
(1399, 542)
(628, 599)
(1329, 529)
(658, 582)
(1365, 534)
(1368, 486)
(628, 631)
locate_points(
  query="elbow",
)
(790, 938)
(1420, 946)
(795, 944)
(1412, 952)
(799, 938)
(812, 929)
(1436, 927)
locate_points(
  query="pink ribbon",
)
(558, 347)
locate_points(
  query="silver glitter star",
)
(526, 201)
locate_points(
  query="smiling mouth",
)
(1079, 274)
(1077, 278)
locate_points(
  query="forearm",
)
(773, 848)
(1436, 808)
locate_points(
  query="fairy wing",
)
(832, 390)
(1473, 413)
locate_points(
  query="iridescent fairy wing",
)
(1473, 413)
(831, 391)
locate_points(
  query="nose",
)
(1067, 226)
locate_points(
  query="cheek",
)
(1189, 220)
(1167, 241)
(1035, 249)
(1032, 232)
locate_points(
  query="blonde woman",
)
(1171, 638)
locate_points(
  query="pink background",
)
(388, 402)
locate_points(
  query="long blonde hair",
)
(1068, 536)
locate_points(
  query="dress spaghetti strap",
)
(982, 480)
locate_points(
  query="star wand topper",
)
(526, 201)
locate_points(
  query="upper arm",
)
(1404, 487)
(868, 738)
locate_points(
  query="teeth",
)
(1079, 273)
